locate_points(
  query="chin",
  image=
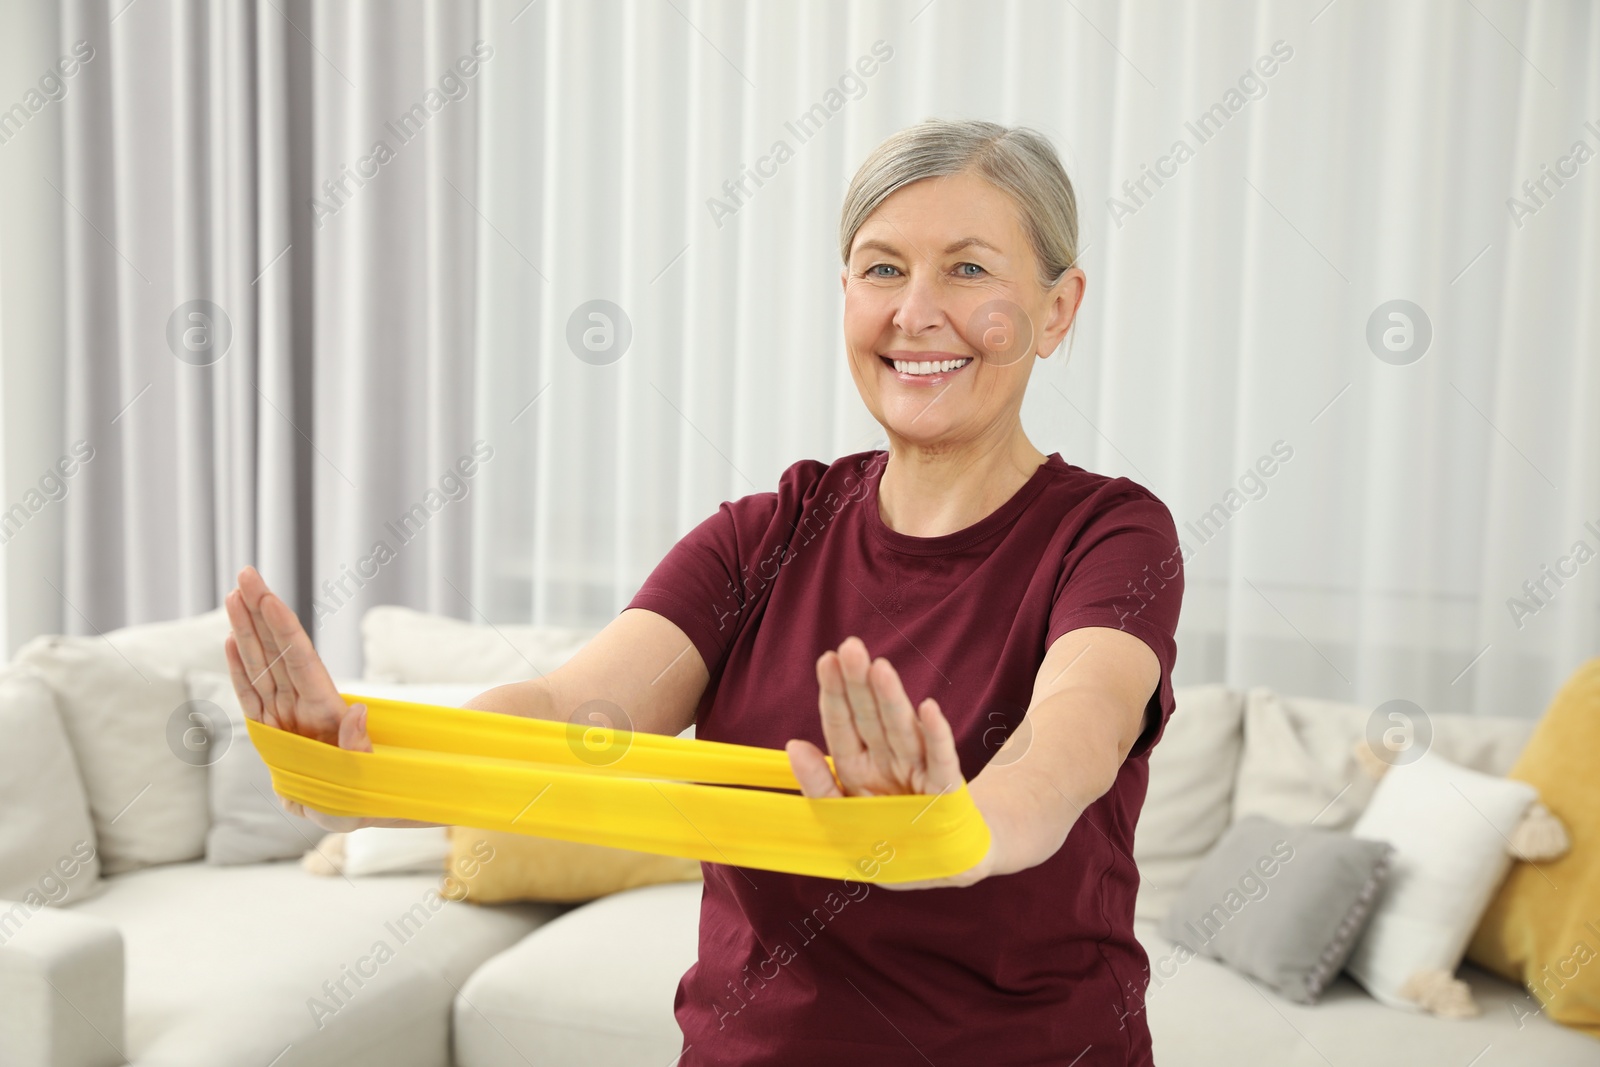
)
(920, 432)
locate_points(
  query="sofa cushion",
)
(1202, 1014)
(379, 850)
(1280, 903)
(236, 966)
(1188, 804)
(176, 646)
(493, 866)
(1299, 761)
(1543, 926)
(402, 645)
(47, 844)
(1451, 828)
(1489, 744)
(594, 987)
(149, 805)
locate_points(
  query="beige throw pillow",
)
(1304, 756)
(148, 805)
(493, 867)
(177, 646)
(1189, 802)
(1300, 762)
(402, 645)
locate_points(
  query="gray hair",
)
(1016, 159)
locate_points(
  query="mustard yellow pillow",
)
(492, 867)
(1543, 927)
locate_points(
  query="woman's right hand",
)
(281, 681)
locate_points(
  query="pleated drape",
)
(1417, 536)
(297, 168)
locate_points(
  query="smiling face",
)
(944, 313)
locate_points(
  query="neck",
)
(931, 492)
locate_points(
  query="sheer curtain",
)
(1338, 158)
(1340, 311)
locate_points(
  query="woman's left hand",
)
(880, 744)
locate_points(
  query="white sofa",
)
(185, 964)
(595, 986)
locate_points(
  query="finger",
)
(943, 762)
(811, 770)
(304, 673)
(353, 729)
(249, 700)
(256, 593)
(898, 719)
(251, 653)
(838, 722)
(853, 661)
(278, 637)
(251, 592)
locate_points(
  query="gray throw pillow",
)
(248, 824)
(1283, 904)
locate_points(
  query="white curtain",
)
(30, 324)
(263, 323)
(597, 153)
(1226, 313)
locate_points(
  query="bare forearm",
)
(640, 673)
(1032, 801)
(531, 699)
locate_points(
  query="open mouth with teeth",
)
(925, 369)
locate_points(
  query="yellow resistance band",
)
(647, 792)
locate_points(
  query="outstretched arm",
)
(1087, 711)
(639, 673)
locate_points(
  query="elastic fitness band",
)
(647, 792)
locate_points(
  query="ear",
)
(844, 279)
(1065, 298)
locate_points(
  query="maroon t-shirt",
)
(1027, 968)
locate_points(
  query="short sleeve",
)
(696, 585)
(1124, 570)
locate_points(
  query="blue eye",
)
(880, 266)
(977, 270)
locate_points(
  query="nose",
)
(920, 309)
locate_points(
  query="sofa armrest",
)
(61, 978)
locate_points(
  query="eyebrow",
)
(968, 242)
(965, 242)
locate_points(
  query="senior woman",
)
(959, 608)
